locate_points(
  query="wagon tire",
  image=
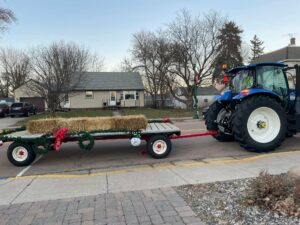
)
(20, 154)
(159, 146)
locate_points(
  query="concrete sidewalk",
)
(59, 186)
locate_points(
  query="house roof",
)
(236, 69)
(208, 90)
(103, 81)
(289, 52)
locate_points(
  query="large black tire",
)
(211, 122)
(240, 120)
(28, 153)
(159, 146)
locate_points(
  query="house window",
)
(137, 95)
(89, 94)
(130, 95)
(67, 100)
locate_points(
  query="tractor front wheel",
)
(259, 124)
(213, 117)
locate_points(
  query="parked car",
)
(22, 109)
(4, 109)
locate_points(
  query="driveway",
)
(9, 122)
(119, 153)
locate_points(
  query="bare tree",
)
(16, 68)
(151, 58)
(96, 63)
(194, 41)
(58, 68)
(4, 89)
(6, 17)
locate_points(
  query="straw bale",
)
(99, 123)
(136, 122)
(42, 126)
(77, 124)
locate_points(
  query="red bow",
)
(59, 136)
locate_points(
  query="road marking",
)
(156, 167)
(28, 167)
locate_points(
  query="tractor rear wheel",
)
(214, 115)
(259, 124)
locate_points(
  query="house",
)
(99, 90)
(205, 96)
(25, 94)
(289, 55)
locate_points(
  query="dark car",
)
(4, 109)
(22, 109)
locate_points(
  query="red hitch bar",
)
(207, 133)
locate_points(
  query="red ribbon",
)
(59, 136)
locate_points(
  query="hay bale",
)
(130, 122)
(73, 124)
(42, 126)
(77, 124)
(99, 123)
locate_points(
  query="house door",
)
(113, 98)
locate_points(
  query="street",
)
(119, 153)
(9, 122)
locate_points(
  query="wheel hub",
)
(20, 154)
(159, 147)
(261, 124)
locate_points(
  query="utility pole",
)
(195, 106)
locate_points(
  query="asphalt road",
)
(9, 122)
(119, 153)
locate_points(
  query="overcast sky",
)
(106, 27)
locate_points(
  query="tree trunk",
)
(189, 103)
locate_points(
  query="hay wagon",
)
(24, 147)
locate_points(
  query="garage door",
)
(37, 101)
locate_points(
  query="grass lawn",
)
(148, 112)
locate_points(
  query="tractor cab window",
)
(272, 78)
(242, 80)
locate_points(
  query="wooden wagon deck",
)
(152, 128)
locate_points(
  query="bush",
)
(275, 192)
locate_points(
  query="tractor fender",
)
(256, 91)
(226, 96)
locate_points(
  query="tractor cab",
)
(264, 78)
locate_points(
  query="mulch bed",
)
(225, 203)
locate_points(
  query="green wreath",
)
(84, 136)
(42, 145)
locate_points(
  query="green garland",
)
(43, 144)
(85, 136)
(9, 131)
(39, 145)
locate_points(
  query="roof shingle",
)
(104, 81)
(289, 52)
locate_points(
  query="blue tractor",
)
(259, 109)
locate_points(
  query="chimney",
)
(293, 41)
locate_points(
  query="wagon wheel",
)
(159, 146)
(20, 154)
